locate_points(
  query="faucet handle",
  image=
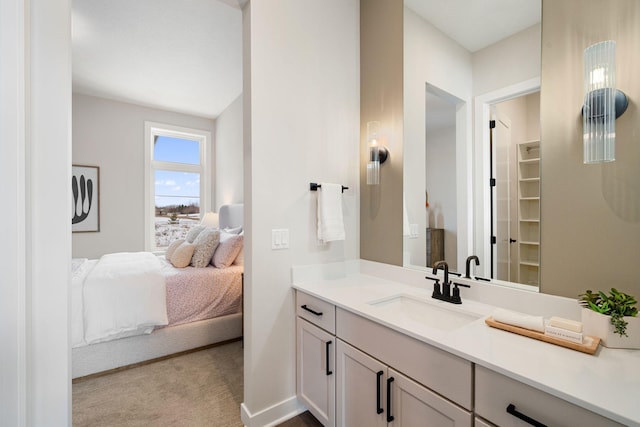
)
(455, 294)
(436, 287)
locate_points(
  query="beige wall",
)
(590, 213)
(381, 100)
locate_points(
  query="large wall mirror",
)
(470, 187)
(575, 226)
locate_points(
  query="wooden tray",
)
(589, 346)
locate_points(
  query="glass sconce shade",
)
(377, 153)
(600, 102)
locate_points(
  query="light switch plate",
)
(280, 238)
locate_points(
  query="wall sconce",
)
(377, 153)
(603, 103)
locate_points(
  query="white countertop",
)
(607, 383)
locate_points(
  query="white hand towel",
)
(330, 221)
(522, 320)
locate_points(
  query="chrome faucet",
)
(467, 274)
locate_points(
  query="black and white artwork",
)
(85, 212)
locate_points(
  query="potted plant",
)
(613, 318)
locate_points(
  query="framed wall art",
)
(85, 200)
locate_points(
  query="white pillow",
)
(234, 230)
(194, 232)
(181, 257)
(206, 244)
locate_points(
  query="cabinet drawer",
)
(495, 392)
(446, 374)
(316, 311)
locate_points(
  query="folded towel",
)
(522, 320)
(330, 221)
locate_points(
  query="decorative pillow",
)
(172, 248)
(181, 257)
(206, 244)
(194, 232)
(227, 251)
(240, 258)
(234, 230)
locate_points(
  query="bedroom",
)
(121, 123)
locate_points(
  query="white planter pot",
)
(599, 325)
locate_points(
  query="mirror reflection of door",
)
(440, 179)
(515, 165)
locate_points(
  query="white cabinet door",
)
(361, 383)
(316, 371)
(414, 405)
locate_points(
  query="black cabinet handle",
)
(389, 416)
(378, 392)
(511, 409)
(317, 313)
(328, 343)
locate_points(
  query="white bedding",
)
(119, 295)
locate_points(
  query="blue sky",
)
(177, 187)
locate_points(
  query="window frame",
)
(153, 129)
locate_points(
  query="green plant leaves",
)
(617, 305)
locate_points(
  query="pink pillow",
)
(227, 251)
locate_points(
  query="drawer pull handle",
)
(511, 409)
(389, 416)
(378, 392)
(328, 343)
(317, 313)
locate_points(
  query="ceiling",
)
(186, 56)
(476, 24)
(183, 56)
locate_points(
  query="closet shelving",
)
(529, 213)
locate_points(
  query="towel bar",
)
(314, 187)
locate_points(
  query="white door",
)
(502, 200)
(316, 371)
(414, 405)
(361, 389)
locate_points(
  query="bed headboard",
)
(231, 216)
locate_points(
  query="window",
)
(177, 182)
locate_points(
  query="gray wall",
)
(590, 213)
(110, 135)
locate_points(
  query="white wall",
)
(433, 58)
(110, 134)
(228, 179)
(302, 86)
(441, 183)
(35, 129)
(510, 61)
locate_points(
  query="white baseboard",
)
(273, 415)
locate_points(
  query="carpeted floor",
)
(204, 388)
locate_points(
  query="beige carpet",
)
(204, 388)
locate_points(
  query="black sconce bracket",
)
(594, 103)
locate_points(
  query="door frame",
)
(482, 115)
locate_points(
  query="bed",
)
(196, 307)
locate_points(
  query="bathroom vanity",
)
(374, 349)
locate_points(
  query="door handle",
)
(512, 240)
(329, 372)
(389, 416)
(379, 409)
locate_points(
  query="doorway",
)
(515, 189)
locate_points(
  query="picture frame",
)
(85, 198)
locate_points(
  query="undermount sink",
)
(431, 314)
